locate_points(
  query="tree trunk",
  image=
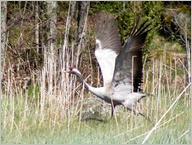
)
(3, 39)
(82, 18)
(188, 55)
(51, 25)
(37, 26)
(3, 27)
(50, 61)
(183, 22)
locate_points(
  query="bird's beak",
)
(66, 71)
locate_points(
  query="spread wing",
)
(128, 69)
(108, 46)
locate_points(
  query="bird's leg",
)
(112, 109)
(144, 116)
(136, 112)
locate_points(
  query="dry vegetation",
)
(47, 105)
(26, 111)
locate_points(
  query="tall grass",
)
(49, 111)
(51, 108)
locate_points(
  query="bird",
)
(121, 66)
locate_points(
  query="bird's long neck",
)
(83, 81)
(97, 91)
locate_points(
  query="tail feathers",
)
(146, 117)
(146, 95)
(130, 103)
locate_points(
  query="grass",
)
(49, 111)
(124, 130)
(22, 123)
(46, 114)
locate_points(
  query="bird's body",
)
(121, 66)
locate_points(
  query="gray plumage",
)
(121, 66)
(107, 33)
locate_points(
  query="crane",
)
(121, 66)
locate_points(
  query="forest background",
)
(41, 103)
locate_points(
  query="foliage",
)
(49, 109)
(128, 13)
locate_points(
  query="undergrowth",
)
(38, 115)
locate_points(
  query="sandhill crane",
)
(121, 67)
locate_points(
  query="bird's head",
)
(73, 70)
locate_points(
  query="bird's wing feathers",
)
(128, 68)
(108, 45)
